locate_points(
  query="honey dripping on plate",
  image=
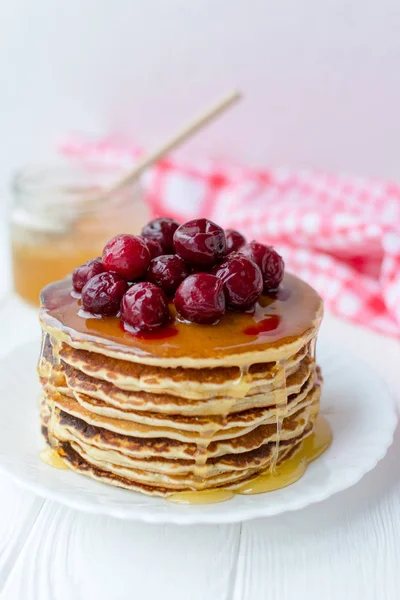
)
(284, 474)
(52, 458)
(239, 389)
(202, 454)
(42, 351)
(280, 397)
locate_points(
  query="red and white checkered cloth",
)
(341, 234)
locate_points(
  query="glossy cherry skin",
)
(234, 240)
(200, 242)
(201, 299)
(162, 230)
(270, 262)
(126, 255)
(82, 274)
(168, 272)
(145, 307)
(103, 293)
(243, 281)
(153, 246)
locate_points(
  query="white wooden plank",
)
(74, 555)
(19, 510)
(344, 548)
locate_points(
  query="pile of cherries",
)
(205, 269)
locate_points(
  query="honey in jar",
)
(61, 218)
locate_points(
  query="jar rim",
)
(55, 196)
(69, 181)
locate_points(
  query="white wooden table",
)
(345, 547)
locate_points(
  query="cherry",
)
(243, 282)
(82, 274)
(162, 230)
(168, 272)
(234, 240)
(102, 294)
(145, 307)
(270, 262)
(153, 246)
(200, 298)
(200, 242)
(126, 255)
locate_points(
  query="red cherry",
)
(103, 293)
(167, 271)
(234, 240)
(200, 242)
(242, 280)
(126, 255)
(153, 246)
(82, 274)
(145, 307)
(200, 298)
(162, 230)
(270, 262)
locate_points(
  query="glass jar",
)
(60, 219)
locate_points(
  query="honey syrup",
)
(285, 474)
(296, 313)
(51, 458)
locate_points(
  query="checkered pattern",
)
(341, 234)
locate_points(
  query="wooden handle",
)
(185, 133)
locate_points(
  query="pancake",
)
(99, 451)
(188, 383)
(199, 421)
(209, 408)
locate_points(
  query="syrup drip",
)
(50, 457)
(280, 397)
(285, 474)
(313, 346)
(42, 347)
(200, 463)
(201, 456)
(293, 469)
(242, 387)
(56, 344)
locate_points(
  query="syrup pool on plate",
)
(284, 474)
(51, 458)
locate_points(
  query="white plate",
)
(355, 401)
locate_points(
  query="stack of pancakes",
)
(158, 425)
